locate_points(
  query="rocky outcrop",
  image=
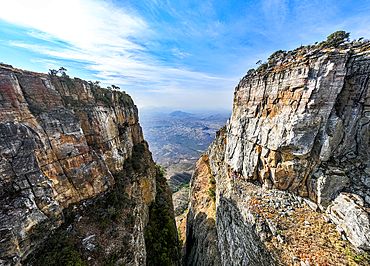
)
(348, 212)
(62, 141)
(299, 125)
(217, 233)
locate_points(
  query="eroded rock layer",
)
(301, 127)
(61, 140)
(300, 124)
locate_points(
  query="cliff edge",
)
(74, 169)
(291, 167)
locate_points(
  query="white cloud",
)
(80, 22)
(109, 40)
(275, 9)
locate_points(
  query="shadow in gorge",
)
(178, 180)
(239, 244)
(201, 241)
(230, 240)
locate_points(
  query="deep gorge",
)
(285, 182)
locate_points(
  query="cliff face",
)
(63, 141)
(300, 125)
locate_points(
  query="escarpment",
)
(291, 168)
(72, 151)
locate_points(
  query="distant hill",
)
(177, 138)
(181, 114)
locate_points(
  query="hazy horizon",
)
(178, 54)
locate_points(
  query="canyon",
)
(285, 182)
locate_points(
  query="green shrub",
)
(137, 153)
(212, 193)
(335, 39)
(112, 260)
(160, 173)
(161, 240)
(275, 54)
(212, 180)
(58, 249)
(40, 230)
(262, 68)
(130, 220)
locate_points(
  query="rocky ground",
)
(294, 229)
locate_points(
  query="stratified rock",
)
(300, 124)
(221, 234)
(60, 141)
(347, 211)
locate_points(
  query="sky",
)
(180, 54)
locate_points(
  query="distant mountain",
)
(181, 114)
(178, 138)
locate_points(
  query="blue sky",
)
(183, 54)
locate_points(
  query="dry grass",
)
(318, 243)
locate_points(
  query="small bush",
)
(275, 54)
(212, 180)
(262, 68)
(58, 249)
(212, 193)
(251, 71)
(130, 220)
(335, 39)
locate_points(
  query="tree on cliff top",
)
(62, 71)
(335, 39)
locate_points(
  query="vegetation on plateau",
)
(109, 96)
(334, 40)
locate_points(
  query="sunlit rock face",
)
(303, 125)
(61, 140)
(299, 138)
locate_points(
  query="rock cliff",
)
(296, 146)
(69, 148)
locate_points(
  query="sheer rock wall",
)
(61, 140)
(300, 124)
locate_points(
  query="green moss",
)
(212, 193)
(212, 180)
